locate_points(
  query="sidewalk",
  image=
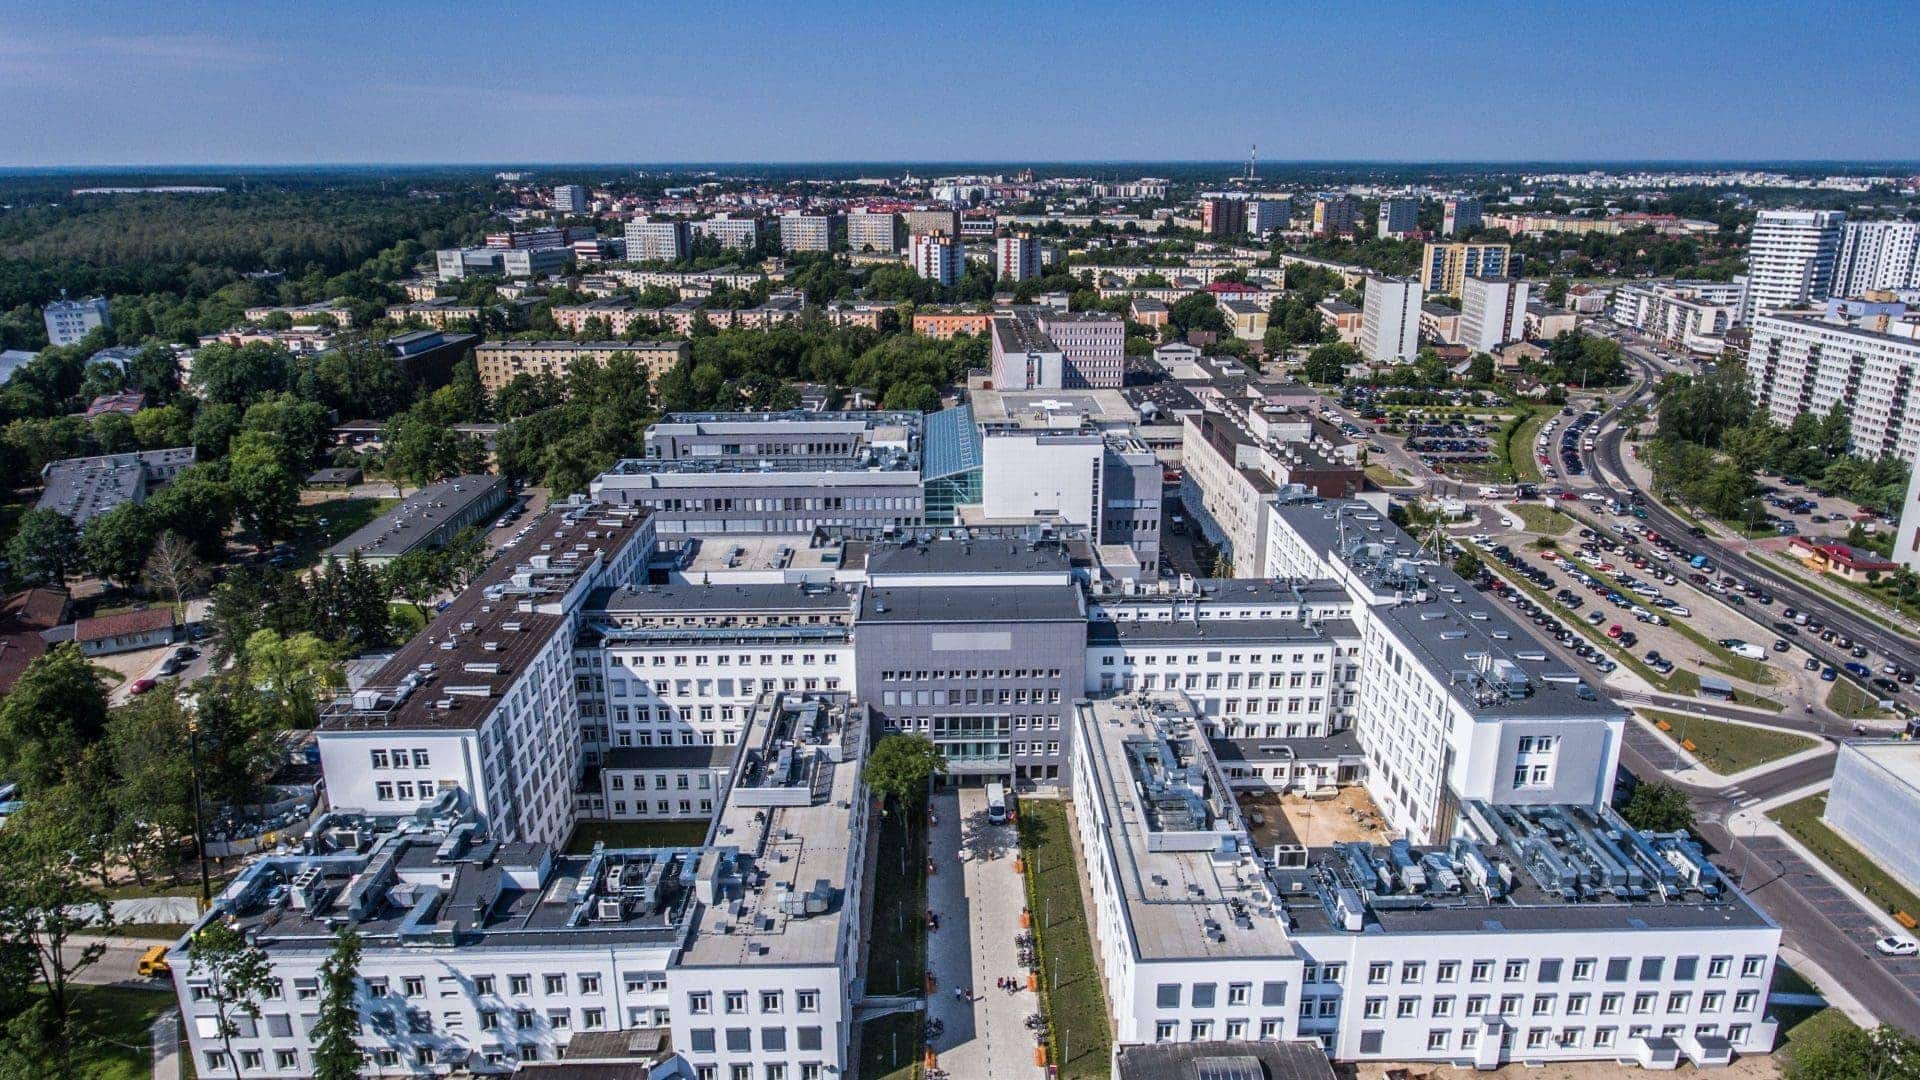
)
(1699, 776)
(978, 898)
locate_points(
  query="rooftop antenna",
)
(1253, 159)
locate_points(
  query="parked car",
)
(1897, 945)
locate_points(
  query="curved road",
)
(1608, 470)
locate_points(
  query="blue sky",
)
(551, 80)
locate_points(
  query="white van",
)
(997, 802)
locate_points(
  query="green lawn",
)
(636, 834)
(890, 1047)
(149, 931)
(121, 1017)
(407, 620)
(1386, 477)
(1847, 699)
(1802, 819)
(1726, 747)
(1804, 1022)
(310, 538)
(1075, 1006)
(1541, 519)
(1519, 446)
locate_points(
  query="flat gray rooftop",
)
(972, 604)
(420, 516)
(949, 556)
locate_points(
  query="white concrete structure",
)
(1493, 312)
(1509, 944)
(1906, 543)
(484, 701)
(1267, 213)
(1877, 255)
(867, 231)
(1016, 256)
(741, 233)
(69, 321)
(1029, 474)
(1390, 327)
(658, 241)
(570, 199)
(1790, 259)
(1800, 362)
(1691, 315)
(935, 256)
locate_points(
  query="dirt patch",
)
(1295, 819)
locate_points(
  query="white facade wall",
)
(1493, 312)
(1028, 474)
(1390, 330)
(1877, 255)
(681, 694)
(935, 257)
(494, 1002)
(1790, 258)
(1800, 363)
(793, 1017)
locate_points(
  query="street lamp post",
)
(199, 817)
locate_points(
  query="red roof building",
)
(23, 618)
(1840, 560)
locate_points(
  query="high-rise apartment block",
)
(811, 232)
(1017, 256)
(935, 256)
(1790, 258)
(1444, 268)
(1459, 215)
(868, 231)
(1390, 327)
(571, 199)
(741, 233)
(1335, 215)
(1802, 362)
(1223, 216)
(1877, 255)
(932, 222)
(1493, 312)
(665, 240)
(1398, 217)
(1268, 213)
(68, 321)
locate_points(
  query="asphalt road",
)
(1816, 918)
(1608, 470)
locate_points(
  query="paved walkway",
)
(978, 898)
(166, 1046)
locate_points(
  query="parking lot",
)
(1604, 600)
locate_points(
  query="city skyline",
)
(433, 85)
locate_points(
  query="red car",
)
(141, 686)
(1568, 495)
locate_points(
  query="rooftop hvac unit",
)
(607, 910)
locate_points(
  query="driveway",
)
(978, 898)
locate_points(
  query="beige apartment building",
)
(500, 361)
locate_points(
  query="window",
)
(1582, 970)
(1446, 971)
(700, 1004)
(806, 1001)
(1273, 993)
(1537, 1038)
(1643, 1002)
(1481, 971)
(1407, 1007)
(1577, 1004)
(1378, 972)
(250, 1059)
(1375, 1009)
(593, 1019)
(1239, 993)
(1751, 967)
(1510, 1004)
(519, 984)
(1437, 1039)
(770, 1001)
(739, 1040)
(1712, 1000)
(1744, 1000)
(483, 984)
(559, 1019)
(556, 984)
(1411, 971)
(1203, 995)
(1543, 1004)
(1549, 971)
(1443, 1006)
(1651, 968)
(1610, 1004)
(1516, 970)
(1200, 1030)
(1477, 1005)
(736, 1001)
(1167, 996)
(286, 1059)
(1719, 966)
(1165, 1030)
(1686, 968)
(1603, 1037)
(1679, 1001)
(702, 1039)
(773, 1038)
(806, 1038)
